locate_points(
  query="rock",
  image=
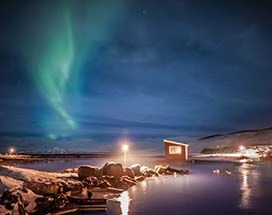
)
(91, 182)
(104, 184)
(136, 169)
(111, 180)
(18, 209)
(186, 172)
(171, 171)
(73, 186)
(7, 199)
(140, 178)
(48, 204)
(127, 181)
(87, 171)
(166, 170)
(19, 200)
(7, 183)
(44, 204)
(161, 170)
(129, 172)
(147, 172)
(43, 187)
(121, 184)
(113, 169)
(4, 211)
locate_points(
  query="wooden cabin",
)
(176, 150)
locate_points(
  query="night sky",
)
(82, 75)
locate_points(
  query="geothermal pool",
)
(248, 190)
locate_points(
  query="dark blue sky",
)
(142, 69)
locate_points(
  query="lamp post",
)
(125, 149)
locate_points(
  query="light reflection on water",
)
(144, 185)
(249, 185)
(245, 189)
(124, 203)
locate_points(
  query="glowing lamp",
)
(125, 148)
(11, 150)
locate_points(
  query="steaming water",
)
(248, 190)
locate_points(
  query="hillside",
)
(246, 137)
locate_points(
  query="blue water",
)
(248, 190)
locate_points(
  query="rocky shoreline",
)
(27, 191)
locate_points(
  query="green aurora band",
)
(55, 69)
(61, 41)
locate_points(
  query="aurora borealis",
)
(54, 68)
(82, 73)
(55, 59)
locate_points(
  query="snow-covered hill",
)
(248, 137)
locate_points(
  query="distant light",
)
(11, 150)
(243, 160)
(242, 147)
(125, 147)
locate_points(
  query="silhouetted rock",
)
(113, 169)
(129, 172)
(171, 171)
(161, 170)
(87, 171)
(136, 169)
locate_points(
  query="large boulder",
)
(129, 172)
(88, 171)
(113, 169)
(136, 168)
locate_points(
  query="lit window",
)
(174, 150)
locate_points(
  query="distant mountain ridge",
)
(244, 137)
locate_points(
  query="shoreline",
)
(83, 188)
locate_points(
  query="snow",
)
(30, 174)
(9, 183)
(254, 137)
(56, 150)
(14, 179)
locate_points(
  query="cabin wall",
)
(181, 156)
